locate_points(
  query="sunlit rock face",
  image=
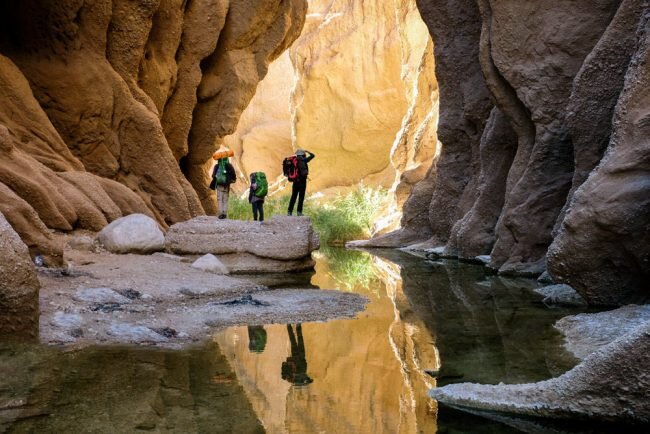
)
(103, 103)
(527, 97)
(363, 98)
(263, 136)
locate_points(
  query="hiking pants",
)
(258, 211)
(223, 192)
(298, 191)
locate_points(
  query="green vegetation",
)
(351, 269)
(337, 220)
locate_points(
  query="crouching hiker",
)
(222, 176)
(258, 191)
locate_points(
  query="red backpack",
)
(290, 168)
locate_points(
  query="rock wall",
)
(358, 89)
(110, 107)
(19, 286)
(530, 152)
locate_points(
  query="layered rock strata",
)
(542, 124)
(281, 244)
(109, 107)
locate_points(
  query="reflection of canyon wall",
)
(101, 101)
(367, 372)
(363, 98)
(122, 390)
(528, 93)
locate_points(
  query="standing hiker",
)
(222, 176)
(296, 168)
(258, 191)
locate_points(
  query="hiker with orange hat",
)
(223, 175)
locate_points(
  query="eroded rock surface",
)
(603, 247)
(586, 333)
(280, 244)
(108, 107)
(608, 385)
(358, 89)
(531, 154)
(19, 285)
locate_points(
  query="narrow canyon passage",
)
(490, 157)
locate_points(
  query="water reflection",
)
(294, 369)
(363, 375)
(113, 389)
(256, 339)
(367, 375)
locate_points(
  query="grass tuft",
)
(338, 220)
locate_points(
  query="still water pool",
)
(363, 375)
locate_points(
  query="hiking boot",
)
(289, 214)
(299, 214)
(222, 216)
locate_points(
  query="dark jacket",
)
(231, 175)
(303, 165)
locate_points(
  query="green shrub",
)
(337, 220)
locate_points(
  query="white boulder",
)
(210, 263)
(135, 233)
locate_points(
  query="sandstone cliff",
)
(110, 107)
(530, 152)
(358, 89)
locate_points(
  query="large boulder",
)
(136, 233)
(280, 244)
(18, 285)
(611, 384)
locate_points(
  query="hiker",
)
(296, 168)
(222, 176)
(294, 369)
(256, 339)
(258, 191)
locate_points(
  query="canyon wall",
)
(358, 89)
(113, 106)
(544, 130)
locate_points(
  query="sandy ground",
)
(161, 300)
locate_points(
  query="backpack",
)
(262, 184)
(290, 168)
(221, 177)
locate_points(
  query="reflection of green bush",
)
(351, 269)
(338, 220)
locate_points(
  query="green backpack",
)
(262, 184)
(222, 172)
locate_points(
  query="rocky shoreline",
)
(163, 299)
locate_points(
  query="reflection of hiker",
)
(258, 191)
(256, 339)
(222, 176)
(296, 168)
(294, 369)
